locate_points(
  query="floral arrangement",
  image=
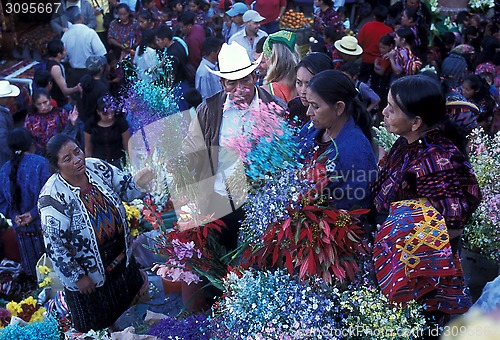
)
(133, 217)
(314, 240)
(28, 310)
(384, 138)
(47, 329)
(482, 233)
(481, 5)
(192, 250)
(369, 315)
(273, 305)
(45, 279)
(194, 327)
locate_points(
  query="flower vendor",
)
(339, 131)
(86, 233)
(426, 191)
(221, 117)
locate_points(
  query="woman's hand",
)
(85, 285)
(143, 177)
(73, 116)
(23, 219)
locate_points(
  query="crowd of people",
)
(234, 55)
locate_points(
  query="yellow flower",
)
(29, 301)
(14, 308)
(44, 270)
(134, 232)
(46, 282)
(38, 315)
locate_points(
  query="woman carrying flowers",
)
(340, 132)
(426, 191)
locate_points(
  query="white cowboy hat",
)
(8, 90)
(348, 45)
(234, 62)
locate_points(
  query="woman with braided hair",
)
(23, 177)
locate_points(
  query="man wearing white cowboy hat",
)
(220, 117)
(7, 91)
(349, 48)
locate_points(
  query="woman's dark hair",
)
(407, 34)
(148, 39)
(428, 103)
(478, 84)
(54, 47)
(333, 86)
(187, 18)
(125, 7)
(351, 68)
(316, 47)
(315, 63)
(387, 39)
(20, 140)
(412, 13)
(145, 14)
(37, 93)
(54, 145)
(329, 3)
(106, 102)
(42, 78)
(332, 33)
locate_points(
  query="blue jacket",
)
(355, 164)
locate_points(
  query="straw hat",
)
(8, 90)
(234, 62)
(348, 45)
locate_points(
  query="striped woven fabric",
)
(414, 261)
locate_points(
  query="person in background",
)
(193, 35)
(107, 133)
(403, 60)
(326, 16)
(146, 57)
(23, 177)
(86, 233)
(150, 6)
(80, 43)
(206, 82)
(61, 22)
(367, 96)
(101, 8)
(339, 130)
(93, 87)
(235, 13)
(43, 79)
(7, 91)
(307, 67)
(44, 120)
(369, 37)
(477, 91)
(145, 21)
(425, 190)
(349, 49)
(252, 33)
(122, 32)
(60, 90)
(263, 66)
(382, 70)
(282, 58)
(194, 99)
(272, 11)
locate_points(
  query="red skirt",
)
(414, 261)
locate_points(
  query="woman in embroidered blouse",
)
(122, 32)
(426, 163)
(403, 60)
(325, 17)
(44, 121)
(86, 233)
(22, 178)
(340, 131)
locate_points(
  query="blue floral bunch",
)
(194, 327)
(268, 204)
(273, 305)
(47, 329)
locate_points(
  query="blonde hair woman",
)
(279, 50)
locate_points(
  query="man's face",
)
(161, 43)
(240, 91)
(237, 19)
(252, 27)
(185, 29)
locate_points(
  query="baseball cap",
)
(252, 15)
(238, 8)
